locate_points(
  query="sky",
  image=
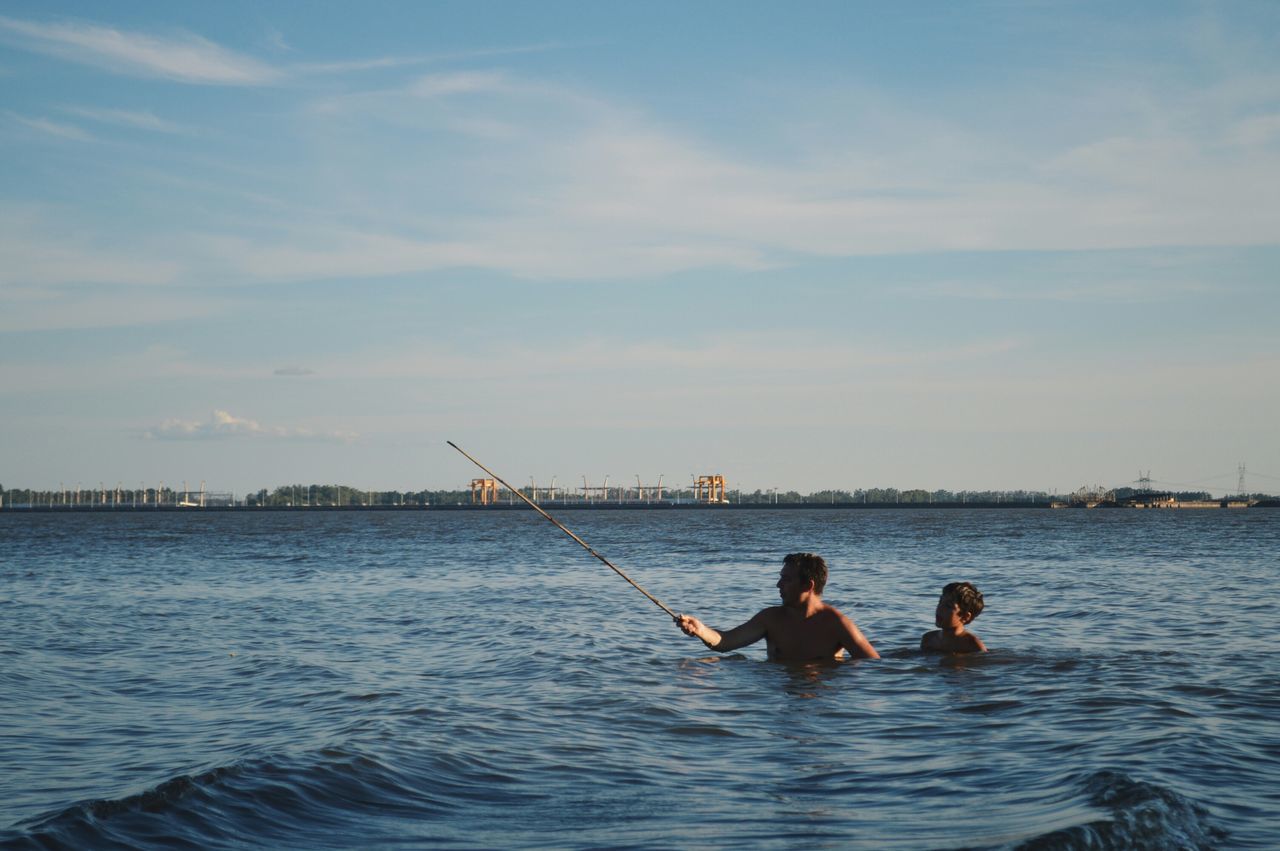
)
(985, 245)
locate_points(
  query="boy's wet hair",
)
(810, 566)
(967, 596)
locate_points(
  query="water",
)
(476, 680)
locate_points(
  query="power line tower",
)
(1240, 481)
(1144, 481)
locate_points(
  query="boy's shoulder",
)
(965, 642)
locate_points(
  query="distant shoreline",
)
(549, 506)
(552, 506)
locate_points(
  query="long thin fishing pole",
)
(562, 528)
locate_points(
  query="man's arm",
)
(852, 639)
(722, 642)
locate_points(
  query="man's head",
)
(965, 596)
(808, 567)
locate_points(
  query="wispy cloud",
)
(127, 118)
(1115, 290)
(462, 82)
(190, 58)
(780, 355)
(275, 39)
(381, 62)
(223, 425)
(182, 57)
(52, 128)
(494, 170)
(588, 187)
(294, 371)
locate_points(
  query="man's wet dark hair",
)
(967, 596)
(810, 566)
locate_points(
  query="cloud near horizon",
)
(222, 425)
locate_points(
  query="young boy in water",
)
(803, 628)
(959, 604)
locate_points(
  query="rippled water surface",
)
(476, 680)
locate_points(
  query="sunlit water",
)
(476, 680)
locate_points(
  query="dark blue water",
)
(476, 680)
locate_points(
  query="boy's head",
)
(966, 597)
(810, 566)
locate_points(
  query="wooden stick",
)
(561, 527)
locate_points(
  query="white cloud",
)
(276, 40)
(183, 58)
(53, 128)
(549, 181)
(382, 62)
(464, 82)
(487, 169)
(1111, 290)
(127, 118)
(776, 354)
(222, 424)
(189, 58)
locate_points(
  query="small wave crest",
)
(278, 801)
(1140, 816)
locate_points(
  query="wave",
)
(1140, 816)
(309, 802)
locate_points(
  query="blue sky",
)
(939, 245)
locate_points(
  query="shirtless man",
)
(803, 628)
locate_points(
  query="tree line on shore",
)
(345, 495)
(292, 495)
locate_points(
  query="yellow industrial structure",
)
(709, 489)
(484, 491)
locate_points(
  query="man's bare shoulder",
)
(771, 614)
(832, 612)
(831, 617)
(781, 614)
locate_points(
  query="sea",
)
(475, 679)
